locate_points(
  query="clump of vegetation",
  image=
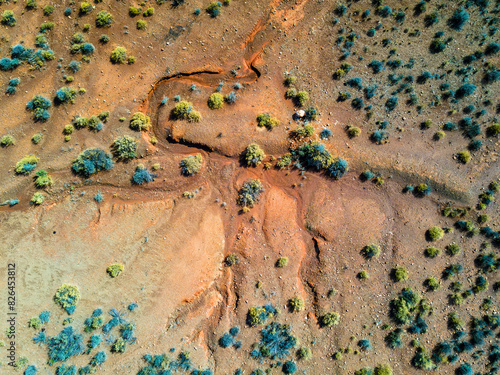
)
(267, 121)
(432, 252)
(141, 25)
(124, 148)
(393, 339)
(353, 131)
(453, 249)
(459, 18)
(65, 95)
(119, 55)
(403, 306)
(67, 296)
(249, 193)
(296, 304)
(363, 275)
(434, 234)
(184, 111)
(302, 98)
(216, 101)
(231, 260)
(399, 274)
(142, 175)
(42, 179)
(254, 155)
(115, 270)
(330, 319)
(282, 262)
(92, 161)
(493, 130)
(26, 164)
(37, 198)
(464, 156)
(191, 164)
(8, 18)
(7, 140)
(39, 105)
(140, 122)
(371, 251)
(304, 353)
(258, 315)
(103, 19)
(337, 169)
(432, 284)
(85, 8)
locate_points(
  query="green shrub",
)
(26, 164)
(482, 219)
(268, 121)
(36, 138)
(439, 135)
(493, 130)
(67, 296)
(383, 369)
(103, 19)
(133, 11)
(35, 323)
(330, 319)
(119, 346)
(304, 353)
(37, 198)
(7, 140)
(423, 361)
(431, 284)
(115, 270)
(216, 101)
(85, 8)
(282, 262)
(254, 155)
(42, 179)
(8, 18)
(48, 10)
(141, 25)
(363, 275)
(31, 4)
(231, 260)
(140, 122)
(249, 193)
(370, 251)
(149, 12)
(290, 80)
(399, 274)
(303, 131)
(463, 157)
(353, 131)
(455, 299)
(291, 93)
(453, 249)
(434, 234)
(184, 111)
(296, 304)
(284, 161)
(131, 60)
(191, 164)
(432, 252)
(214, 9)
(426, 124)
(104, 39)
(119, 55)
(302, 98)
(124, 148)
(79, 123)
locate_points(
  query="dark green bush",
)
(253, 155)
(124, 148)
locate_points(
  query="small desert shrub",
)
(214, 9)
(39, 105)
(463, 156)
(363, 275)
(142, 175)
(254, 155)
(303, 131)
(432, 252)
(92, 161)
(493, 130)
(26, 164)
(453, 249)
(231, 260)
(290, 80)
(31, 4)
(119, 55)
(7, 140)
(115, 270)
(98, 197)
(383, 369)
(302, 98)
(304, 353)
(337, 169)
(353, 131)
(103, 19)
(330, 319)
(421, 190)
(141, 25)
(85, 8)
(370, 251)
(8, 18)
(104, 39)
(431, 284)
(296, 304)
(37, 199)
(439, 135)
(216, 101)
(434, 234)
(149, 12)
(124, 148)
(259, 314)
(399, 274)
(459, 18)
(67, 296)
(282, 262)
(249, 193)
(65, 95)
(191, 164)
(133, 11)
(131, 60)
(268, 121)
(42, 179)
(140, 122)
